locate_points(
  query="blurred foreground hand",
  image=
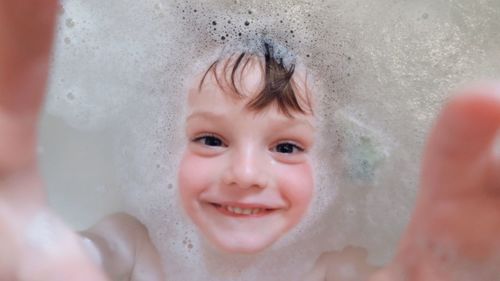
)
(34, 244)
(454, 233)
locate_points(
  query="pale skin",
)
(458, 199)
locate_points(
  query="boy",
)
(245, 177)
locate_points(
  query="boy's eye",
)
(210, 141)
(288, 148)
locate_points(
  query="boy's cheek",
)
(188, 177)
(298, 184)
(195, 172)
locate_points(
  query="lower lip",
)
(225, 212)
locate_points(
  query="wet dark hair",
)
(279, 85)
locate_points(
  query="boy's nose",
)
(247, 169)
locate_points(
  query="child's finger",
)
(26, 28)
(460, 146)
(456, 219)
(26, 35)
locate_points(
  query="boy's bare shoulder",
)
(124, 248)
(121, 224)
(118, 233)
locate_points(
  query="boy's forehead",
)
(220, 106)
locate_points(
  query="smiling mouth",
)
(242, 212)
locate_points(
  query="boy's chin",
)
(242, 245)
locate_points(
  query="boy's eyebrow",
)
(214, 115)
(205, 114)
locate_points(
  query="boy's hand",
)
(454, 232)
(34, 245)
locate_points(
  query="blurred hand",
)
(454, 231)
(34, 245)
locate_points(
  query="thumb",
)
(26, 33)
(459, 152)
(456, 216)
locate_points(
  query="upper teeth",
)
(243, 211)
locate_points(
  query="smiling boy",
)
(246, 178)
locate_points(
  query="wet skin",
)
(458, 208)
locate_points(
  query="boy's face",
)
(245, 178)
